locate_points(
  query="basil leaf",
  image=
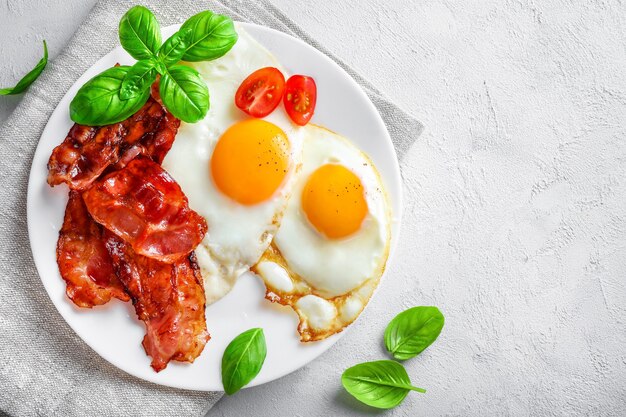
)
(212, 36)
(29, 78)
(380, 384)
(140, 33)
(175, 47)
(184, 93)
(98, 102)
(243, 359)
(412, 331)
(138, 79)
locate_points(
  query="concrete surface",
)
(515, 221)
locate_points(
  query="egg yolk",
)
(333, 200)
(250, 161)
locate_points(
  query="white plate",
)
(113, 330)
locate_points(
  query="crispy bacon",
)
(143, 205)
(84, 154)
(88, 151)
(83, 260)
(155, 144)
(152, 131)
(160, 142)
(168, 298)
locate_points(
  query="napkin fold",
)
(46, 369)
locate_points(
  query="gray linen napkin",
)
(46, 369)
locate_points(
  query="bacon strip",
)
(143, 205)
(84, 261)
(168, 298)
(155, 145)
(160, 142)
(88, 151)
(84, 154)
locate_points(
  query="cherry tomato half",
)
(300, 96)
(259, 94)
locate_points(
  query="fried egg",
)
(237, 171)
(331, 248)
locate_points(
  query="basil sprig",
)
(29, 78)
(412, 331)
(243, 359)
(114, 95)
(380, 384)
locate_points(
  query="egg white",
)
(326, 281)
(238, 234)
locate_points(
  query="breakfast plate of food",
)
(208, 187)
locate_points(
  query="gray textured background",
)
(515, 221)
